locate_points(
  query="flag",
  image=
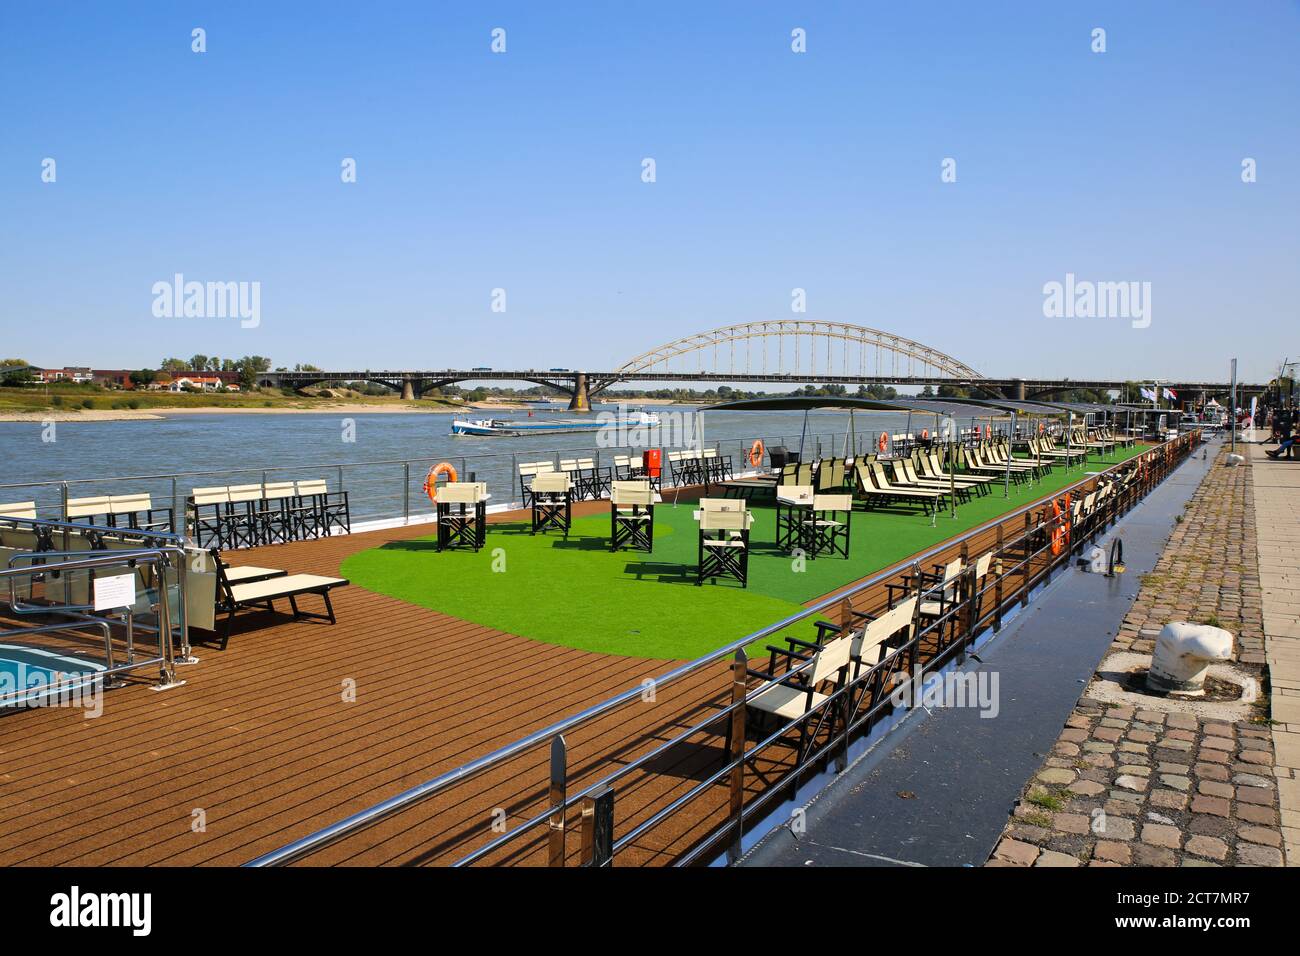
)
(1148, 394)
(1171, 394)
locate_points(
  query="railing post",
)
(598, 827)
(997, 584)
(177, 510)
(736, 754)
(1024, 572)
(406, 492)
(559, 792)
(914, 645)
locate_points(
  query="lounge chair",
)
(905, 476)
(871, 494)
(935, 496)
(928, 463)
(211, 593)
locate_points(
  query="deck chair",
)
(264, 593)
(927, 463)
(552, 502)
(933, 497)
(867, 489)
(828, 527)
(207, 515)
(797, 695)
(528, 470)
(905, 476)
(724, 543)
(935, 471)
(830, 475)
(332, 509)
(19, 510)
(1001, 452)
(461, 511)
(243, 517)
(632, 515)
(972, 460)
(92, 510)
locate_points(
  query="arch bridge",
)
(781, 351)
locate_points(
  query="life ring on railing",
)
(883, 442)
(1062, 527)
(925, 434)
(1041, 428)
(431, 479)
(756, 452)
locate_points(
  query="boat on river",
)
(505, 428)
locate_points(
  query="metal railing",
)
(391, 489)
(1022, 563)
(164, 553)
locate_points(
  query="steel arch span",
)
(798, 346)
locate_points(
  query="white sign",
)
(115, 592)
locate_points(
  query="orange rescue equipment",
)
(756, 452)
(1062, 529)
(431, 479)
(925, 434)
(883, 442)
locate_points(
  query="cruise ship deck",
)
(298, 724)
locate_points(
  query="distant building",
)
(69, 374)
(205, 381)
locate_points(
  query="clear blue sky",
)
(775, 171)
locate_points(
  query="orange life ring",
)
(431, 479)
(883, 442)
(1041, 428)
(925, 434)
(1062, 527)
(756, 452)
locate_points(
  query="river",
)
(364, 451)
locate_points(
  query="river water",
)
(380, 459)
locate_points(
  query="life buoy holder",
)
(883, 442)
(431, 479)
(756, 452)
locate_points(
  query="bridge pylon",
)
(581, 401)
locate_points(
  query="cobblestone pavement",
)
(1127, 786)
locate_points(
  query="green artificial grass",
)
(576, 593)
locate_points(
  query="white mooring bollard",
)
(1183, 653)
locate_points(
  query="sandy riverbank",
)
(155, 414)
(323, 408)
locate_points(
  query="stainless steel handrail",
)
(161, 555)
(387, 808)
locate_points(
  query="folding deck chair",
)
(632, 515)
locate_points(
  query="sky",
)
(774, 170)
